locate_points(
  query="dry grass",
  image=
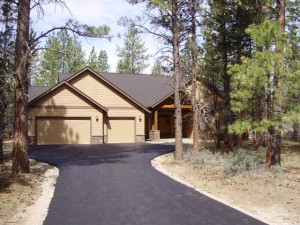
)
(17, 192)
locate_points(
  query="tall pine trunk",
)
(226, 83)
(177, 94)
(296, 132)
(274, 136)
(1, 132)
(20, 160)
(196, 144)
(239, 137)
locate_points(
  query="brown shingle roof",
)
(35, 91)
(146, 89)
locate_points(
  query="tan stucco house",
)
(89, 108)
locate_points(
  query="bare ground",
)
(273, 197)
(24, 198)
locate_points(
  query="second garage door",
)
(63, 131)
(121, 130)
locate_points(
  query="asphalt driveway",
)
(115, 184)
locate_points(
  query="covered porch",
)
(161, 122)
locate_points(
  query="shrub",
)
(277, 170)
(242, 160)
(202, 158)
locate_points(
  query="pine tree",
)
(259, 76)
(20, 160)
(133, 57)
(167, 19)
(50, 63)
(157, 68)
(226, 43)
(7, 43)
(103, 65)
(98, 63)
(293, 36)
(63, 54)
(92, 60)
(23, 47)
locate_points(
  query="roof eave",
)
(74, 89)
(163, 99)
(109, 83)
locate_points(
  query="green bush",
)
(242, 160)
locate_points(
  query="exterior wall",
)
(62, 96)
(116, 103)
(63, 102)
(98, 90)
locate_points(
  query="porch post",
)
(155, 123)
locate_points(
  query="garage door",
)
(121, 130)
(63, 131)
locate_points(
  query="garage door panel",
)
(121, 130)
(63, 130)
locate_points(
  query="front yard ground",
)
(24, 199)
(272, 195)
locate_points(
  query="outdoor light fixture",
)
(97, 118)
(140, 118)
(29, 117)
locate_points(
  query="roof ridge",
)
(136, 74)
(41, 85)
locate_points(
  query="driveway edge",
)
(157, 164)
(38, 211)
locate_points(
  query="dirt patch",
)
(272, 196)
(24, 199)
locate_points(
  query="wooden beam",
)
(173, 106)
(155, 121)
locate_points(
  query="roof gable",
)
(73, 89)
(112, 85)
(147, 90)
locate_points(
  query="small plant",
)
(202, 158)
(277, 170)
(242, 160)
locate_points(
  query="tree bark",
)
(274, 140)
(196, 131)
(20, 160)
(1, 133)
(177, 94)
(296, 132)
(226, 82)
(239, 137)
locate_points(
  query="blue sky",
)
(95, 12)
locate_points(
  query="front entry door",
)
(164, 123)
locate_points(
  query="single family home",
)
(90, 108)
